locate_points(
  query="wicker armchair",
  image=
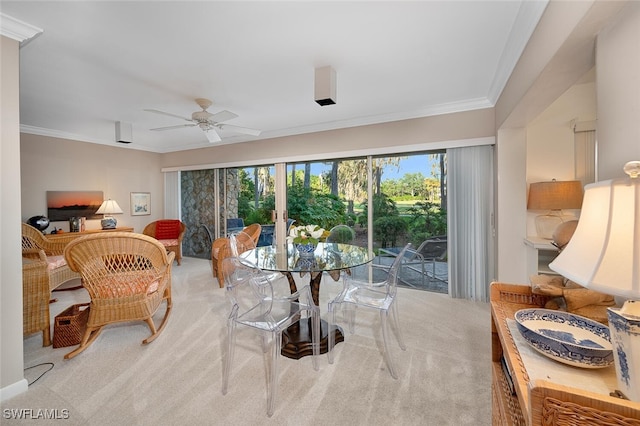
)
(170, 233)
(35, 245)
(35, 299)
(127, 276)
(43, 270)
(221, 249)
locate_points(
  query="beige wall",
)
(332, 144)
(51, 164)
(11, 349)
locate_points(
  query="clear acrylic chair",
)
(253, 304)
(380, 296)
(341, 234)
(240, 242)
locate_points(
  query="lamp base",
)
(624, 326)
(108, 222)
(546, 224)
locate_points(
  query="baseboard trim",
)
(14, 389)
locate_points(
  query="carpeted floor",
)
(444, 375)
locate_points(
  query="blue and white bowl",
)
(566, 337)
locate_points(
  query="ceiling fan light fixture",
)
(206, 121)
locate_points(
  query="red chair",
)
(170, 233)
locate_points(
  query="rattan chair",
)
(35, 245)
(43, 270)
(221, 249)
(170, 233)
(127, 275)
(35, 299)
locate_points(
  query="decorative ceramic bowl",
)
(566, 337)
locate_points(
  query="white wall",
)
(550, 140)
(510, 201)
(559, 53)
(11, 349)
(618, 92)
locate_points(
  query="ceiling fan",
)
(207, 121)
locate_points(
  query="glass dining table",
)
(331, 258)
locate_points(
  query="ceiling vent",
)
(124, 132)
(325, 89)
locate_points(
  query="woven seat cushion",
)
(167, 229)
(55, 262)
(126, 284)
(169, 243)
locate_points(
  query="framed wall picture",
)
(140, 203)
(62, 205)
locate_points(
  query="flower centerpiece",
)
(305, 238)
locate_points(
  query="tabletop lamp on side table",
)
(554, 197)
(107, 208)
(604, 255)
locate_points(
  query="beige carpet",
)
(444, 375)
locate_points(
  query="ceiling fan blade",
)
(212, 136)
(221, 116)
(238, 129)
(174, 127)
(168, 113)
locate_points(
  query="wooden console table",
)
(72, 235)
(565, 396)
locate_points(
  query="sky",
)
(411, 164)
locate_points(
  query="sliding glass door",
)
(407, 198)
(385, 201)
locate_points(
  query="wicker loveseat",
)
(127, 276)
(170, 233)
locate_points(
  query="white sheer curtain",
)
(469, 222)
(172, 195)
(585, 155)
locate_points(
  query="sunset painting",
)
(61, 205)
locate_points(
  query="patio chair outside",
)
(430, 251)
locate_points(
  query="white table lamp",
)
(604, 255)
(553, 196)
(107, 208)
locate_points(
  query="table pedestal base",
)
(296, 340)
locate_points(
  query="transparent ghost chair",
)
(380, 296)
(253, 304)
(341, 234)
(240, 242)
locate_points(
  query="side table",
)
(520, 398)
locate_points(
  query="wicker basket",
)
(70, 325)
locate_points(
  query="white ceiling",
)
(96, 63)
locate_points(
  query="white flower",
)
(305, 234)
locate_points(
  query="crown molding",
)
(16, 29)
(526, 21)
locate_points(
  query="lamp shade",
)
(604, 252)
(555, 195)
(109, 207)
